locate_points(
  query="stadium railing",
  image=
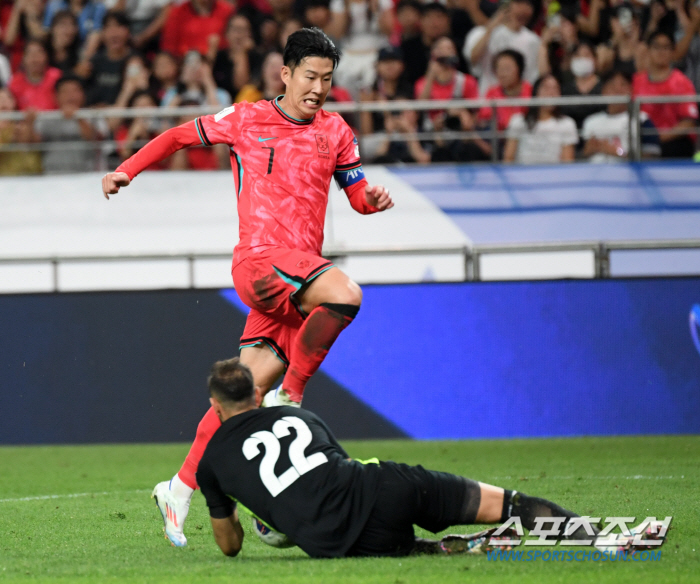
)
(471, 254)
(168, 114)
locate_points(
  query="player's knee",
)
(352, 294)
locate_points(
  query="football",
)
(270, 536)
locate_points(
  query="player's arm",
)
(156, 150)
(350, 177)
(223, 514)
(228, 534)
(204, 131)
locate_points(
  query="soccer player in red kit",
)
(284, 154)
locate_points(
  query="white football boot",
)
(174, 511)
(278, 397)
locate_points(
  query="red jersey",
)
(185, 30)
(504, 113)
(282, 169)
(666, 115)
(40, 96)
(462, 86)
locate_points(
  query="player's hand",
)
(112, 181)
(378, 197)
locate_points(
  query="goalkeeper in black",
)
(285, 466)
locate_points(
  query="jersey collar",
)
(289, 118)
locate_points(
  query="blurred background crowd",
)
(70, 54)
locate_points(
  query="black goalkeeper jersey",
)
(285, 466)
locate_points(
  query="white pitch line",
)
(71, 496)
(629, 478)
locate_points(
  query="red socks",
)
(315, 338)
(209, 424)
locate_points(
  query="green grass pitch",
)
(100, 525)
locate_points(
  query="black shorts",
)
(408, 496)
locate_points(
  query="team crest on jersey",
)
(322, 143)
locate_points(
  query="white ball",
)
(270, 536)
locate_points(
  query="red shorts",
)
(270, 283)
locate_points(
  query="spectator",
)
(389, 84)
(543, 135)
(663, 15)
(408, 17)
(508, 66)
(90, 15)
(559, 39)
(166, 71)
(282, 10)
(146, 19)
(195, 25)
(407, 148)
(13, 162)
(362, 28)
(464, 16)
(64, 42)
(79, 155)
(582, 82)
(133, 135)
(624, 51)
(434, 23)
(33, 86)
(136, 80)
(507, 29)
(24, 23)
(270, 85)
(235, 66)
(107, 66)
(317, 13)
(269, 35)
(662, 79)
(606, 134)
(443, 80)
(197, 85)
(289, 27)
(594, 20)
(688, 48)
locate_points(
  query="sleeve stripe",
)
(201, 132)
(342, 167)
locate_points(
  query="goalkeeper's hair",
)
(231, 382)
(309, 42)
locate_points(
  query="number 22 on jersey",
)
(301, 464)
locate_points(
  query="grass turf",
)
(101, 526)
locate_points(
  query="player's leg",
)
(331, 300)
(173, 497)
(448, 500)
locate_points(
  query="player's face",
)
(308, 84)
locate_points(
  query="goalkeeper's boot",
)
(618, 543)
(479, 543)
(278, 397)
(174, 513)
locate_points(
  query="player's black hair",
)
(517, 56)
(309, 42)
(231, 382)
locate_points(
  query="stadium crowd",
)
(69, 54)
